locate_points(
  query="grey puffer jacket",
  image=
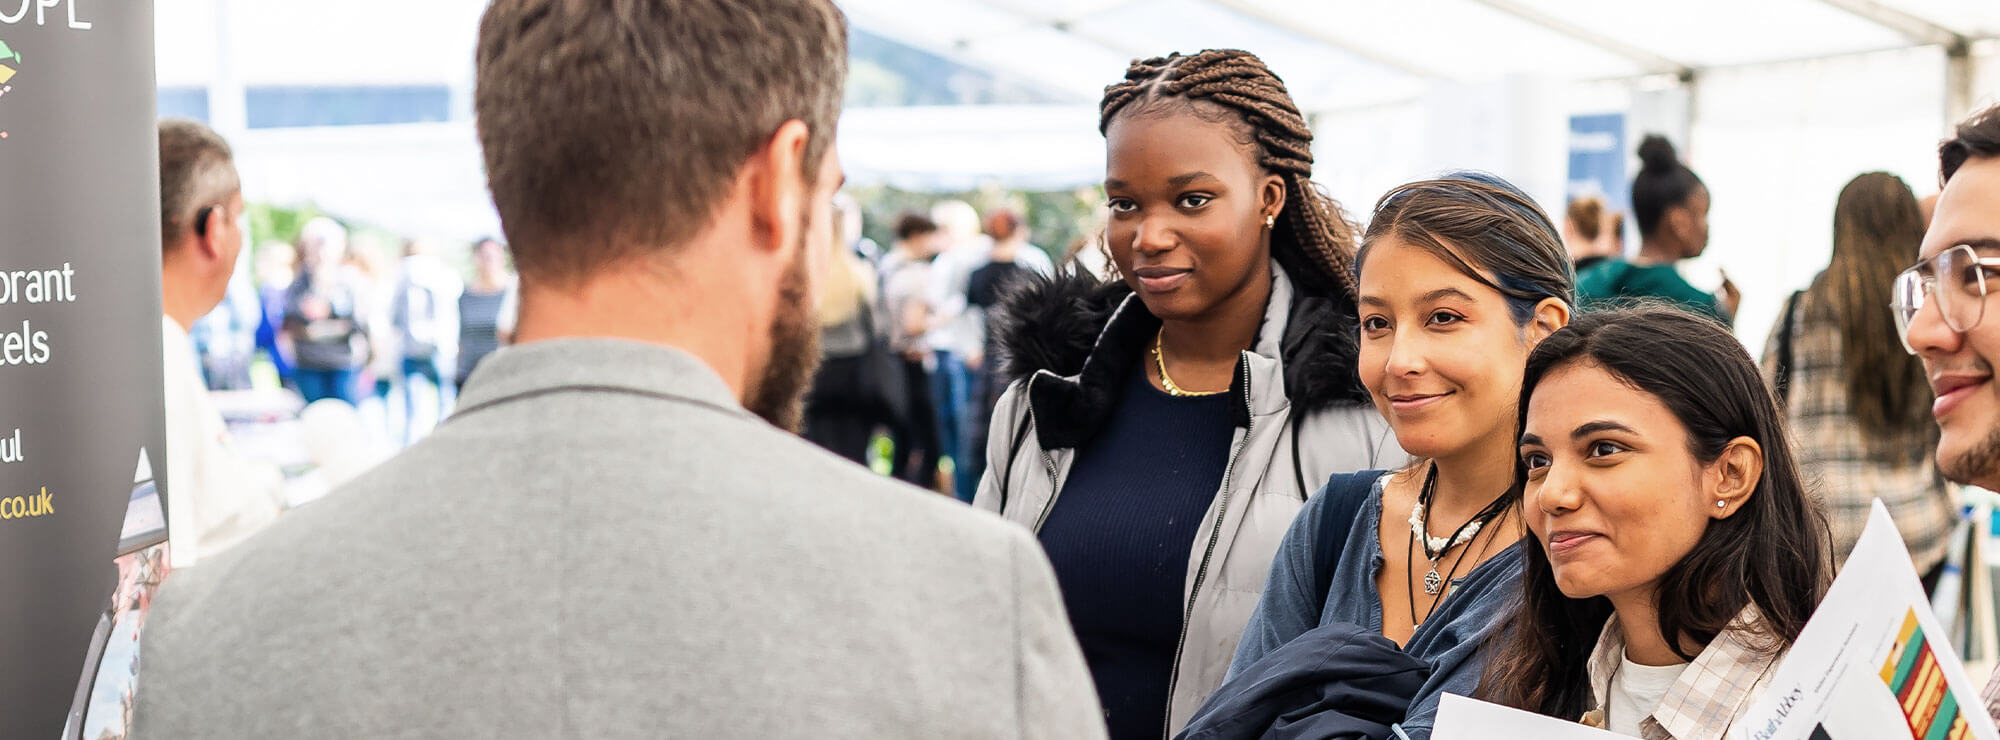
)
(1301, 416)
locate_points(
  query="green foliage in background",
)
(270, 223)
(1057, 220)
(281, 223)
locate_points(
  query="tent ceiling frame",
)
(1066, 25)
(1265, 16)
(956, 53)
(1958, 76)
(1918, 30)
(1653, 63)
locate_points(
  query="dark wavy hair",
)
(1975, 137)
(1772, 553)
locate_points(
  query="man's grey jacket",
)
(603, 543)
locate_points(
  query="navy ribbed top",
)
(1119, 536)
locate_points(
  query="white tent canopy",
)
(1776, 103)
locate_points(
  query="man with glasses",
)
(1942, 302)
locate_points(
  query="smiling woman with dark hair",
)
(1675, 554)
(1459, 277)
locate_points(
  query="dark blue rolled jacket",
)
(1335, 682)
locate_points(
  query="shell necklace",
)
(1435, 547)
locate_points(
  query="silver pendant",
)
(1433, 583)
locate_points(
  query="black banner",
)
(81, 432)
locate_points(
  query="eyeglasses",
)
(1956, 278)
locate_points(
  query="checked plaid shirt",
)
(1843, 469)
(1710, 694)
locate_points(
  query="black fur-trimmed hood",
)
(1090, 332)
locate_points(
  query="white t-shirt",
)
(1636, 690)
(215, 497)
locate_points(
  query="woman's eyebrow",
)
(1600, 426)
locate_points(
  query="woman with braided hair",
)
(1160, 431)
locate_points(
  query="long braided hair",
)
(1312, 238)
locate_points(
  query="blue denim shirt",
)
(1450, 640)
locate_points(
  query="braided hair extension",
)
(1312, 238)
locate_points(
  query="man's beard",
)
(1978, 466)
(779, 393)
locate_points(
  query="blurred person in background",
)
(481, 305)
(1159, 432)
(851, 224)
(425, 315)
(619, 534)
(1671, 206)
(956, 337)
(1857, 404)
(215, 497)
(1088, 251)
(855, 390)
(1583, 232)
(326, 316)
(906, 271)
(226, 338)
(1613, 235)
(984, 292)
(277, 266)
(368, 256)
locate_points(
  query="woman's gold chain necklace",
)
(1167, 381)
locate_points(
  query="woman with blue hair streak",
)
(1402, 575)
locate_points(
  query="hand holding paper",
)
(1873, 663)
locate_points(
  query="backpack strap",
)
(1781, 380)
(1336, 523)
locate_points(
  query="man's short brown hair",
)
(614, 127)
(197, 171)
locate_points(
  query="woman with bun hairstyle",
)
(1670, 204)
(1674, 553)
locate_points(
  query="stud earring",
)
(1722, 504)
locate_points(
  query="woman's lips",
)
(1414, 402)
(1562, 544)
(1161, 279)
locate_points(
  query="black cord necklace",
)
(1434, 583)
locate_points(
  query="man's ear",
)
(208, 231)
(780, 186)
